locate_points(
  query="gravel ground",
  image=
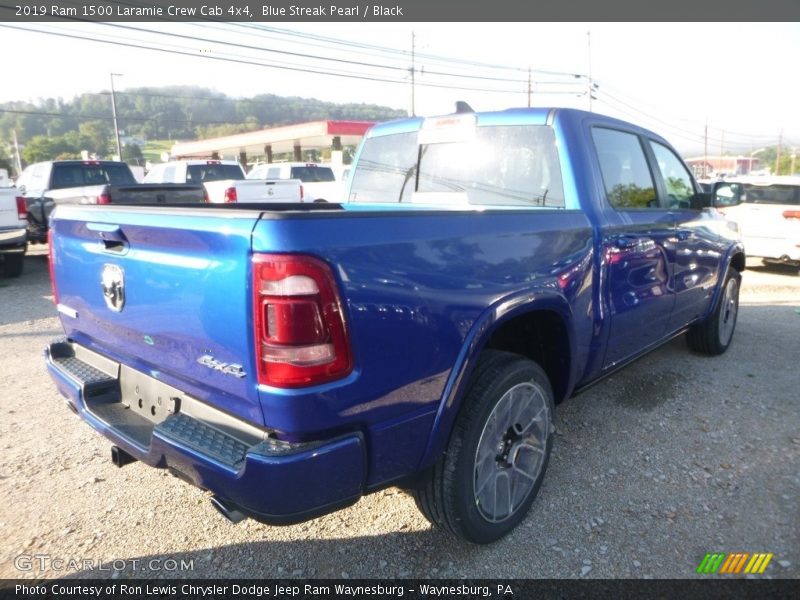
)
(675, 456)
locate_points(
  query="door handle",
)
(112, 236)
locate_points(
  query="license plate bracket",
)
(147, 396)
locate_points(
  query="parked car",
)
(485, 268)
(767, 210)
(225, 183)
(13, 232)
(47, 184)
(319, 181)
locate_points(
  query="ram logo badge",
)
(113, 283)
(227, 368)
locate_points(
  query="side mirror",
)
(725, 193)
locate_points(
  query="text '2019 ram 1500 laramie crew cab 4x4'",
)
(484, 267)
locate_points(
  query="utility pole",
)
(114, 114)
(589, 42)
(413, 71)
(17, 161)
(705, 151)
(529, 87)
(778, 157)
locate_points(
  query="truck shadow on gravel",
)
(428, 553)
(29, 296)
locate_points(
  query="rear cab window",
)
(212, 172)
(489, 165)
(312, 173)
(83, 174)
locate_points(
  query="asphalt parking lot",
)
(676, 456)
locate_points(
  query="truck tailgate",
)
(164, 290)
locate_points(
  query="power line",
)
(244, 61)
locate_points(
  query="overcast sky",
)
(738, 78)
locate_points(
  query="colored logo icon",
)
(738, 562)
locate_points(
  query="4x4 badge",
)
(113, 283)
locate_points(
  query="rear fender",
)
(490, 320)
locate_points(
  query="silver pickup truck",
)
(13, 232)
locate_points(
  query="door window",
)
(626, 176)
(677, 180)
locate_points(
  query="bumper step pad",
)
(204, 439)
(86, 374)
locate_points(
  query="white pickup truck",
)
(225, 182)
(319, 182)
(13, 231)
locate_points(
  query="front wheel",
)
(498, 452)
(714, 335)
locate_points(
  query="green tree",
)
(132, 154)
(97, 135)
(41, 148)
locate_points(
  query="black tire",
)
(714, 335)
(450, 494)
(13, 264)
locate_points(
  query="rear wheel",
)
(714, 335)
(497, 454)
(13, 264)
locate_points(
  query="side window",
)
(168, 176)
(677, 180)
(626, 176)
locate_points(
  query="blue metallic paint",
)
(423, 290)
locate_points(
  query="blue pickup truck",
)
(484, 267)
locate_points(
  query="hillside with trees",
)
(56, 128)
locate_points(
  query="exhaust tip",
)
(227, 510)
(121, 458)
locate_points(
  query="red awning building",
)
(294, 139)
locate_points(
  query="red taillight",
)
(50, 259)
(301, 335)
(22, 210)
(205, 196)
(230, 195)
(791, 214)
(104, 198)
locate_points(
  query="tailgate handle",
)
(111, 235)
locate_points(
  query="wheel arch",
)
(538, 326)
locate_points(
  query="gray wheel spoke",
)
(728, 311)
(522, 473)
(511, 451)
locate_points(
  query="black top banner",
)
(396, 10)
